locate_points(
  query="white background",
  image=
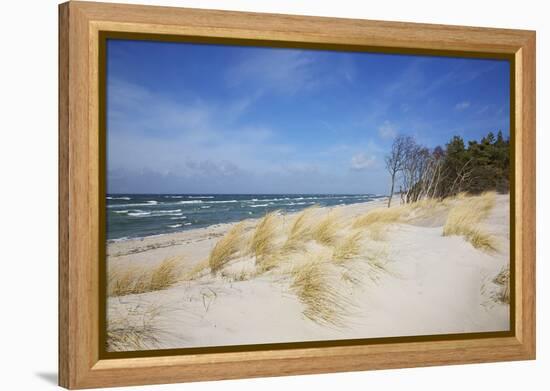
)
(28, 204)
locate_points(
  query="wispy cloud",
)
(460, 106)
(155, 140)
(289, 71)
(387, 130)
(362, 161)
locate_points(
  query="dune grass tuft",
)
(262, 241)
(198, 270)
(464, 217)
(348, 248)
(268, 262)
(502, 279)
(226, 248)
(133, 280)
(380, 216)
(300, 231)
(134, 331)
(426, 204)
(325, 231)
(323, 303)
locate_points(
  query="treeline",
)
(418, 172)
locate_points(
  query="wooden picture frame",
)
(81, 165)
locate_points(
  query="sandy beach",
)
(324, 274)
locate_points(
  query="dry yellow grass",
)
(380, 216)
(377, 231)
(503, 281)
(133, 280)
(426, 204)
(133, 332)
(198, 270)
(226, 248)
(300, 231)
(464, 217)
(376, 260)
(268, 262)
(326, 230)
(323, 303)
(262, 240)
(347, 248)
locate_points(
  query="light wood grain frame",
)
(80, 167)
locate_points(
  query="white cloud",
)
(361, 161)
(289, 71)
(462, 105)
(387, 130)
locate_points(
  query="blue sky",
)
(188, 118)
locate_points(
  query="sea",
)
(132, 216)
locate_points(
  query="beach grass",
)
(310, 280)
(300, 230)
(198, 270)
(380, 216)
(326, 230)
(262, 240)
(347, 248)
(465, 216)
(226, 248)
(134, 332)
(130, 280)
(502, 279)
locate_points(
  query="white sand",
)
(431, 285)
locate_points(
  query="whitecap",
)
(139, 214)
(148, 203)
(174, 225)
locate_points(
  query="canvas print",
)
(259, 195)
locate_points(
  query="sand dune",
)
(329, 273)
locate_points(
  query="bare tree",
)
(395, 160)
(415, 164)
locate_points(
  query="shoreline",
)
(152, 242)
(140, 216)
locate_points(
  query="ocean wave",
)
(170, 196)
(147, 203)
(297, 203)
(259, 205)
(268, 199)
(178, 218)
(222, 202)
(121, 211)
(119, 198)
(187, 223)
(190, 202)
(205, 206)
(139, 214)
(174, 225)
(200, 196)
(168, 211)
(119, 239)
